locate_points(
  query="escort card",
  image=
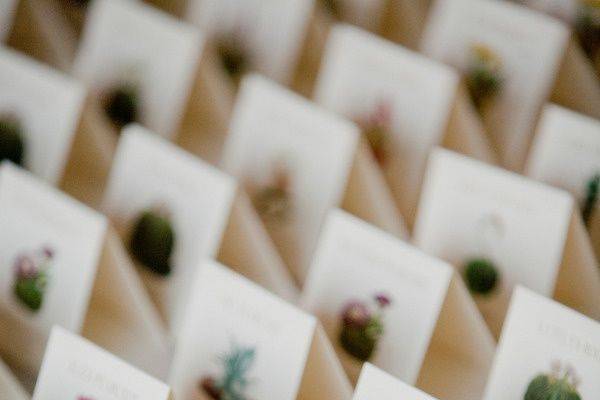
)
(374, 384)
(60, 265)
(509, 56)
(400, 100)
(140, 64)
(499, 229)
(239, 341)
(566, 154)
(8, 10)
(41, 107)
(545, 349)
(266, 34)
(364, 279)
(76, 369)
(171, 209)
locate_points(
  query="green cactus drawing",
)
(12, 145)
(152, 241)
(31, 272)
(481, 276)
(591, 197)
(484, 75)
(560, 384)
(122, 105)
(234, 381)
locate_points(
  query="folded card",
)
(509, 56)
(265, 36)
(8, 10)
(239, 341)
(500, 229)
(171, 209)
(60, 265)
(367, 287)
(139, 63)
(39, 113)
(374, 384)
(566, 154)
(76, 369)
(401, 101)
(546, 351)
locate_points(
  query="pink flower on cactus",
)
(383, 300)
(356, 314)
(25, 267)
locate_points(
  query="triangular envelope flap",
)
(150, 173)
(229, 316)
(372, 81)
(74, 368)
(374, 263)
(461, 350)
(521, 38)
(272, 31)
(46, 104)
(50, 237)
(126, 43)
(7, 13)
(121, 316)
(470, 210)
(375, 384)
(275, 132)
(541, 336)
(10, 386)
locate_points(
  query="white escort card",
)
(401, 101)
(76, 369)
(267, 34)
(59, 266)
(158, 193)
(374, 384)
(500, 229)
(384, 301)
(8, 10)
(546, 349)
(510, 57)
(131, 48)
(43, 108)
(566, 154)
(239, 341)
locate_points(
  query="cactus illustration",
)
(590, 200)
(31, 272)
(122, 105)
(362, 327)
(273, 202)
(484, 75)
(376, 129)
(560, 384)
(587, 28)
(152, 241)
(234, 381)
(12, 145)
(481, 276)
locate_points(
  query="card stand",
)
(42, 31)
(578, 85)
(10, 387)
(368, 196)
(121, 317)
(461, 350)
(324, 377)
(247, 249)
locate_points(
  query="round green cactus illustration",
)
(31, 272)
(484, 75)
(122, 105)
(481, 276)
(560, 384)
(12, 144)
(152, 241)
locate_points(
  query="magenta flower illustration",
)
(31, 273)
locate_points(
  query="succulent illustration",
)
(273, 201)
(560, 384)
(12, 145)
(122, 105)
(591, 198)
(481, 276)
(484, 75)
(152, 241)
(234, 381)
(234, 57)
(31, 272)
(362, 326)
(376, 128)
(587, 27)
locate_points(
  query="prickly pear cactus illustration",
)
(481, 276)
(12, 145)
(591, 198)
(152, 241)
(31, 271)
(234, 381)
(122, 105)
(560, 384)
(587, 28)
(484, 75)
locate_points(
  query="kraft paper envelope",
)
(296, 161)
(542, 337)
(524, 48)
(129, 44)
(280, 352)
(46, 105)
(375, 384)
(566, 154)
(529, 231)
(10, 386)
(7, 13)
(61, 265)
(401, 100)
(74, 368)
(357, 266)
